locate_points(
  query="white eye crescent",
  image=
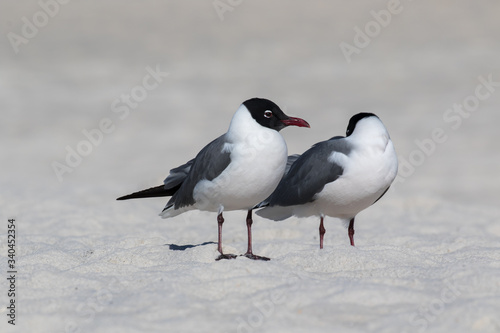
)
(268, 114)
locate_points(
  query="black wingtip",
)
(262, 204)
(158, 191)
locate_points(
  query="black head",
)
(268, 114)
(355, 119)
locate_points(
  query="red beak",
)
(292, 121)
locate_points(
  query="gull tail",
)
(276, 213)
(157, 191)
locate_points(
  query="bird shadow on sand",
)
(175, 247)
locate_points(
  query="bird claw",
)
(226, 256)
(255, 257)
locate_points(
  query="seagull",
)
(236, 171)
(338, 177)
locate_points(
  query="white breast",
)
(258, 161)
(369, 169)
(368, 172)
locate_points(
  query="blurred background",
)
(67, 66)
(102, 98)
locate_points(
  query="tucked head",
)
(268, 114)
(356, 119)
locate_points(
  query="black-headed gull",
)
(236, 171)
(339, 177)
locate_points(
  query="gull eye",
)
(268, 114)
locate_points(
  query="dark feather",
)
(210, 162)
(309, 174)
(180, 183)
(157, 191)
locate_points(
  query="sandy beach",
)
(101, 99)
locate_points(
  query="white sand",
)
(427, 257)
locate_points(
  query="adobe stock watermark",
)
(94, 137)
(372, 29)
(453, 117)
(427, 314)
(221, 7)
(267, 307)
(31, 26)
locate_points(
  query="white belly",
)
(365, 178)
(257, 165)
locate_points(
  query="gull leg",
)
(220, 221)
(350, 231)
(249, 253)
(322, 232)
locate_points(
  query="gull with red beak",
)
(236, 171)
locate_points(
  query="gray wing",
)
(208, 164)
(178, 175)
(170, 186)
(291, 159)
(309, 174)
